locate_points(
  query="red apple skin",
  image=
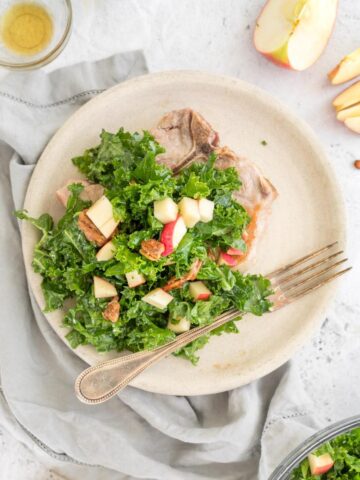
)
(324, 469)
(166, 238)
(234, 251)
(203, 296)
(227, 259)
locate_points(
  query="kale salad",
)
(338, 459)
(140, 254)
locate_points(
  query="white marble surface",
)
(216, 36)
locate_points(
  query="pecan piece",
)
(152, 249)
(112, 310)
(188, 277)
(91, 232)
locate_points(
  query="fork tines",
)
(317, 269)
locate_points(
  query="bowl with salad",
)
(331, 454)
(144, 219)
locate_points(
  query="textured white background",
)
(216, 36)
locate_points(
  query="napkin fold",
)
(232, 435)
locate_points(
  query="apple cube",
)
(294, 33)
(172, 234)
(226, 259)
(320, 464)
(347, 69)
(135, 278)
(165, 210)
(101, 214)
(348, 98)
(103, 288)
(353, 124)
(106, 252)
(189, 210)
(158, 298)
(199, 291)
(206, 210)
(182, 325)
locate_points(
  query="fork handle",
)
(101, 382)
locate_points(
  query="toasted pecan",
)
(152, 249)
(91, 232)
(112, 311)
(188, 277)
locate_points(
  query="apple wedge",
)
(206, 210)
(103, 288)
(158, 298)
(135, 278)
(353, 124)
(101, 214)
(106, 252)
(227, 259)
(172, 234)
(348, 98)
(165, 210)
(189, 210)
(199, 291)
(294, 33)
(321, 464)
(349, 112)
(347, 69)
(182, 325)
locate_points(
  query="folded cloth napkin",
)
(138, 434)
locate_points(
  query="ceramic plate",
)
(301, 221)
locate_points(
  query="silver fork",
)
(101, 382)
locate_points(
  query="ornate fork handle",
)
(101, 382)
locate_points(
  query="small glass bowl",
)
(61, 14)
(283, 471)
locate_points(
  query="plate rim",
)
(194, 76)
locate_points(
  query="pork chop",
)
(91, 192)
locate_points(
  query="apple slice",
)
(165, 210)
(294, 33)
(353, 124)
(103, 288)
(189, 209)
(227, 259)
(321, 464)
(353, 111)
(199, 291)
(234, 251)
(101, 214)
(206, 210)
(348, 98)
(172, 234)
(182, 325)
(106, 252)
(135, 278)
(158, 298)
(347, 69)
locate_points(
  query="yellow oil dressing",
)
(26, 28)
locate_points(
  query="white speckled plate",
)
(307, 214)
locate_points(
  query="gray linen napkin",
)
(138, 434)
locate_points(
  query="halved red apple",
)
(199, 291)
(158, 298)
(294, 33)
(347, 69)
(321, 464)
(172, 234)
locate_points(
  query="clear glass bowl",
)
(61, 14)
(283, 471)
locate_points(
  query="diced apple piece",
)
(172, 235)
(347, 69)
(321, 464)
(199, 291)
(348, 98)
(135, 278)
(189, 210)
(206, 210)
(294, 33)
(226, 259)
(158, 298)
(234, 251)
(353, 124)
(106, 252)
(353, 111)
(182, 325)
(165, 210)
(101, 214)
(103, 288)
